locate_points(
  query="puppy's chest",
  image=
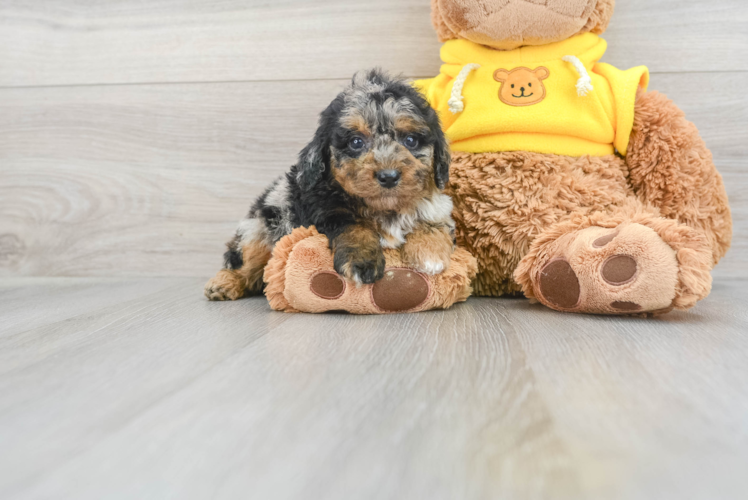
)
(435, 210)
(393, 230)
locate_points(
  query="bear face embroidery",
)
(522, 86)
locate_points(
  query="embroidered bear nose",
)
(388, 178)
(522, 89)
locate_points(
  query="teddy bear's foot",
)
(300, 278)
(628, 269)
(400, 290)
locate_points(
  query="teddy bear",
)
(572, 183)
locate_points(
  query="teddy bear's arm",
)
(671, 168)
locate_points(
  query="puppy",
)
(370, 179)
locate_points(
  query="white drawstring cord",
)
(584, 84)
(455, 102)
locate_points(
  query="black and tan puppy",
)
(370, 179)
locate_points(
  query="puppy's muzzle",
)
(388, 178)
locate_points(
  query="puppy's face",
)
(383, 152)
(380, 142)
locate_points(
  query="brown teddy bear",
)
(571, 183)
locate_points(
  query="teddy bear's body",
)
(578, 187)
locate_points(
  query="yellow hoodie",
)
(535, 98)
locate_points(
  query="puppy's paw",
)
(428, 253)
(432, 267)
(361, 269)
(226, 285)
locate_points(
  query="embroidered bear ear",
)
(542, 72)
(501, 75)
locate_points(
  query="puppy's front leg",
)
(428, 248)
(358, 254)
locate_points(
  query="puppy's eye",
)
(411, 142)
(512, 85)
(356, 144)
(529, 84)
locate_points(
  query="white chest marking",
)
(437, 209)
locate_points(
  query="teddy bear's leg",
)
(618, 264)
(671, 168)
(483, 189)
(503, 201)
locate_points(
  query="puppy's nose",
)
(388, 178)
(522, 89)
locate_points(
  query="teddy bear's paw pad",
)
(626, 306)
(327, 285)
(604, 240)
(619, 270)
(559, 284)
(400, 290)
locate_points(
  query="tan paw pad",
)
(626, 306)
(619, 270)
(327, 285)
(400, 290)
(559, 284)
(604, 240)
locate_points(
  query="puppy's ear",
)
(442, 158)
(314, 159)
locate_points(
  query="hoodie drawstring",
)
(455, 102)
(584, 84)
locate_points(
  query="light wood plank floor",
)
(140, 388)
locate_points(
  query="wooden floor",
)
(140, 388)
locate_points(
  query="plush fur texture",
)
(514, 206)
(504, 201)
(508, 24)
(370, 179)
(671, 168)
(304, 255)
(611, 235)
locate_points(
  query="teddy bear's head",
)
(508, 24)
